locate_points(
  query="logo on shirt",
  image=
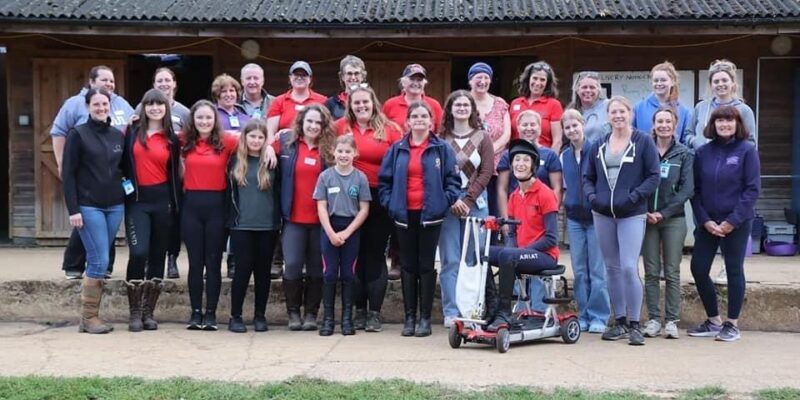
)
(438, 163)
(732, 160)
(353, 192)
(117, 149)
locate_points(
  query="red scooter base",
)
(527, 326)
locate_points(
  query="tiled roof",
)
(375, 12)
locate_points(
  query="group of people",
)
(325, 182)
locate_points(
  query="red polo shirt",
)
(530, 209)
(204, 167)
(287, 108)
(415, 189)
(396, 109)
(548, 108)
(307, 169)
(151, 162)
(370, 150)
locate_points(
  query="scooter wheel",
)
(503, 340)
(454, 337)
(571, 331)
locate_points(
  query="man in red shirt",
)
(534, 246)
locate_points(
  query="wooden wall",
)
(384, 64)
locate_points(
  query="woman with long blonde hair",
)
(254, 220)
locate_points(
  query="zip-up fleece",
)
(727, 181)
(441, 180)
(232, 196)
(92, 168)
(575, 203)
(173, 169)
(677, 182)
(693, 137)
(645, 109)
(638, 177)
(286, 163)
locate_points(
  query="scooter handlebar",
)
(493, 223)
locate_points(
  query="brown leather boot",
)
(135, 288)
(91, 294)
(152, 289)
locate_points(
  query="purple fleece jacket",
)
(727, 181)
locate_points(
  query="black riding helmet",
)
(521, 146)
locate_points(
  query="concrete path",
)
(758, 361)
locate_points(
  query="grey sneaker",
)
(360, 319)
(616, 332)
(728, 333)
(671, 330)
(652, 328)
(706, 329)
(722, 277)
(635, 337)
(374, 322)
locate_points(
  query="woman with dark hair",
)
(305, 152)
(621, 175)
(418, 183)
(727, 183)
(226, 91)
(538, 92)
(373, 134)
(254, 219)
(463, 131)
(152, 164)
(206, 151)
(352, 74)
(93, 191)
(666, 225)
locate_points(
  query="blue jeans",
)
(591, 292)
(450, 255)
(100, 226)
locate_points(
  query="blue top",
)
(638, 177)
(727, 181)
(441, 180)
(645, 109)
(74, 112)
(548, 162)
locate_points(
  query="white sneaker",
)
(449, 321)
(671, 330)
(652, 328)
(722, 277)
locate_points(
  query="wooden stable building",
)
(47, 48)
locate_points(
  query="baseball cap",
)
(300, 65)
(414, 69)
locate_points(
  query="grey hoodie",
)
(702, 111)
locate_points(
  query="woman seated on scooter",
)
(533, 244)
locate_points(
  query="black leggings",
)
(203, 231)
(513, 260)
(148, 224)
(418, 245)
(174, 248)
(371, 266)
(253, 251)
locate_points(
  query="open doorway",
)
(4, 155)
(194, 75)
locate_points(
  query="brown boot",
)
(152, 289)
(91, 294)
(135, 289)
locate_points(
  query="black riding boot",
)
(410, 283)
(427, 288)
(328, 300)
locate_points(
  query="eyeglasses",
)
(541, 66)
(352, 73)
(363, 85)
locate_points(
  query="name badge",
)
(234, 120)
(481, 203)
(627, 159)
(176, 119)
(256, 114)
(517, 107)
(119, 118)
(299, 107)
(334, 190)
(541, 162)
(127, 186)
(664, 171)
(310, 161)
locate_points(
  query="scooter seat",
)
(558, 270)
